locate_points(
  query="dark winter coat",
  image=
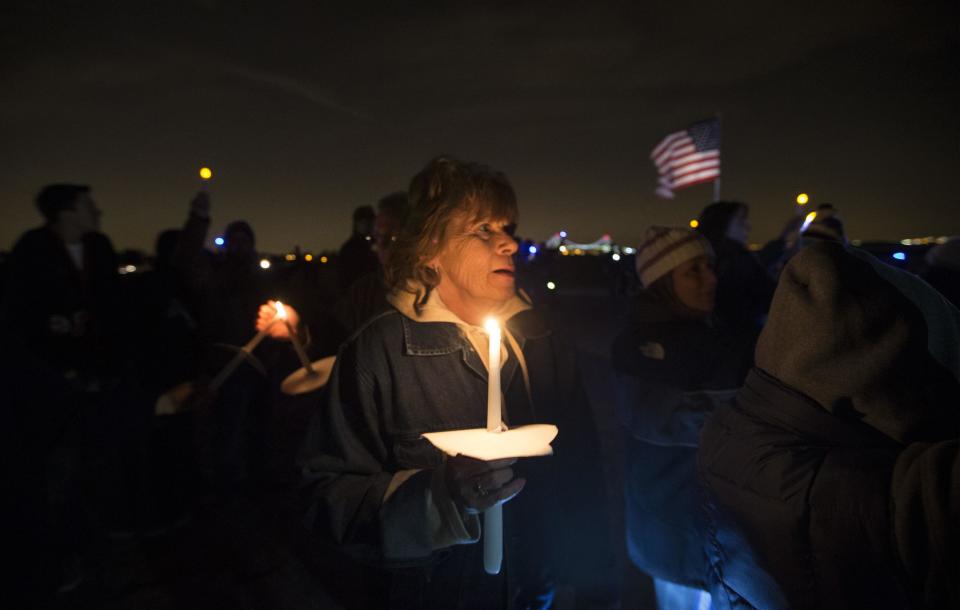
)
(398, 378)
(834, 481)
(672, 371)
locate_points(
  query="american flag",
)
(688, 157)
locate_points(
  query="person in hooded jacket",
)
(385, 495)
(674, 365)
(833, 479)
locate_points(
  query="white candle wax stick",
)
(494, 416)
(493, 539)
(298, 347)
(240, 356)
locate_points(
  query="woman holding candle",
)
(390, 498)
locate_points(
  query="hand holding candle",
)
(266, 314)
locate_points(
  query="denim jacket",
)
(398, 378)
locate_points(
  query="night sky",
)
(306, 110)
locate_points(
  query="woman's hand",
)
(278, 330)
(476, 485)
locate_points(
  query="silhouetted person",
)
(943, 269)
(229, 290)
(356, 257)
(745, 280)
(57, 330)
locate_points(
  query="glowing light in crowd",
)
(323, 259)
(264, 264)
(563, 234)
(532, 249)
(219, 241)
(290, 257)
(900, 256)
(206, 173)
(807, 221)
(615, 256)
(308, 257)
(563, 249)
(629, 250)
(803, 199)
(694, 223)
(551, 286)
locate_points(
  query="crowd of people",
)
(789, 419)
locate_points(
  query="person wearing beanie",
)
(832, 480)
(745, 279)
(673, 366)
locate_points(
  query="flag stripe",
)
(687, 157)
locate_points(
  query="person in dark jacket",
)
(382, 493)
(58, 328)
(833, 478)
(356, 257)
(943, 269)
(674, 366)
(745, 280)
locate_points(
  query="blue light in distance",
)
(219, 241)
(900, 256)
(563, 234)
(532, 249)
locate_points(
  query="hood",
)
(849, 339)
(435, 310)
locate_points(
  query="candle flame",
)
(807, 221)
(281, 310)
(491, 326)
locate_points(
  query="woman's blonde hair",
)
(445, 188)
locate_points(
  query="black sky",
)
(308, 109)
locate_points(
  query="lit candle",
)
(493, 517)
(301, 353)
(494, 416)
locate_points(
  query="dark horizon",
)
(307, 112)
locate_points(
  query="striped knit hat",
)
(665, 248)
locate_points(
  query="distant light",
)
(563, 234)
(615, 256)
(264, 263)
(290, 257)
(900, 256)
(206, 173)
(563, 249)
(906, 242)
(694, 223)
(219, 241)
(551, 286)
(308, 257)
(806, 221)
(323, 259)
(578, 251)
(130, 268)
(802, 199)
(629, 250)
(368, 238)
(532, 249)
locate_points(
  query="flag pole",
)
(716, 181)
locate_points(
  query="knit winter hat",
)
(847, 338)
(665, 248)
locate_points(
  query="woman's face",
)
(476, 267)
(695, 284)
(739, 228)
